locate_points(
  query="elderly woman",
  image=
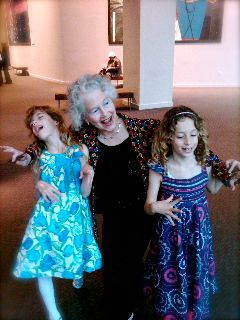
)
(119, 149)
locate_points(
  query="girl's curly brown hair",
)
(161, 146)
(65, 135)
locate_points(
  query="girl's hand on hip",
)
(47, 191)
(166, 208)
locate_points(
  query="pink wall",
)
(85, 37)
(44, 57)
(212, 64)
(70, 37)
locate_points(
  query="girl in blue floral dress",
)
(179, 268)
(59, 239)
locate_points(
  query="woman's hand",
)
(87, 173)
(47, 191)
(233, 165)
(234, 169)
(19, 157)
(166, 208)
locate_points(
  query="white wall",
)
(69, 38)
(85, 37)
(44, 56)
(212, 64)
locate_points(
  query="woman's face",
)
(100, 111)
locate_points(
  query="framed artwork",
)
(115, 21)
(18, 23)
(198, 20)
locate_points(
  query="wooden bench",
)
(21, 71)
(122, 94)
(59, 97)
(125, 94)
(117, 78)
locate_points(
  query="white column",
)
(148, 51)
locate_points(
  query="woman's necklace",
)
(117, 130)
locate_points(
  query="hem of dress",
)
(56, 275)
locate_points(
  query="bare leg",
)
(46, 289)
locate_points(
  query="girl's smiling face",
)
(43, 125)
(185, 138)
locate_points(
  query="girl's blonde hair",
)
(162, 147)
(65, 134)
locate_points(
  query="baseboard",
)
(50, 79)
(162, 104)
(207, 85)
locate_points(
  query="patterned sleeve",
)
(150, 124)
(219, 169)
(156, 167)
(32, 150)
(146, 127)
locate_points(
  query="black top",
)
(119, 195)
(118, 182)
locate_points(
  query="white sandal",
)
(131, 317)
(58, 318)
(78, 283)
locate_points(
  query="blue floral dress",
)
(179, 268)
(59, 239)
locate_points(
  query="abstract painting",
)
(198, 20)
(18, 23)
(115, 21)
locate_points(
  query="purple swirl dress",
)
(179, 268)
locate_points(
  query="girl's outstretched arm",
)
(19, 157)
(224, 170)
(47, 191)
(86, 174)
(214, 184)
(153, 206)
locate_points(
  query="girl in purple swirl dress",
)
(180, 268)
